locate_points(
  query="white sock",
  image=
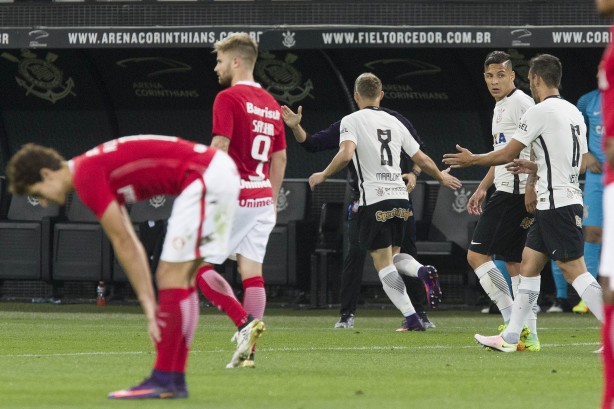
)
(496, 287)
(395, 289)
(515, 283)
(528, 291)
(532, 321)
(406, 264)
(590, 291)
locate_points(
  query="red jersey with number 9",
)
(606, 85)
(251, 118)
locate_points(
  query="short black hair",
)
(549, 68)
(497, 57)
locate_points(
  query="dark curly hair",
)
(24, 168)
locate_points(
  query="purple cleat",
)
(430, 277)
(412, 323)
(150, 389)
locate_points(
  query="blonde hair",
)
(240, 43)
(368, 85)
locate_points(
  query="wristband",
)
(416, 172)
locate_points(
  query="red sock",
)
(608, 357)
(254, 296)
(190, 312)
(176, 314)
(218, 291)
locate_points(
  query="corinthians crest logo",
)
(282, 199)
(289, 40)
(157, 201)
(460, 200)
(41, 77)
(281, 79)
(33, 201)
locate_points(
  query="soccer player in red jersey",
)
(606, 266)
(247, 124)
(126, 170)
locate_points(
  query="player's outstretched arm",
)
(465, 158)
(131, 254)
(428, 166)
(339, 162)
(293, 121)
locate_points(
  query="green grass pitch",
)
(71, 356)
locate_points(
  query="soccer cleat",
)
(150, 389)
(245, 339)
(598, 351)
(580, 308)
(529, 343)
(559, 305)
(495, 342)
(426, 321)
(345, 321)
(412, 323)
(523, 334)
(429, 275)
(249, 362)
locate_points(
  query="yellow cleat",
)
(529, 343)
(581, 308)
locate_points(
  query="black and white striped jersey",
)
(379, 138)
(505, 120)
(557, 132)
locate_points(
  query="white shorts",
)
(606, 265)
(202, 214)
(250, 233)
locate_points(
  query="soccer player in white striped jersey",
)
(506, 217)
(556, 131)
(373, 140)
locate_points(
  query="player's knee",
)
(476, 259)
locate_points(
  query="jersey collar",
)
(250, 83)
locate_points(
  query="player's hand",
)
(410, 181)
(474, 206)
(316, 179)
(530, 199)
(458, 160)
(153, 323)
(522, 166)
(592, 163)
(291, 118)
(449, 180)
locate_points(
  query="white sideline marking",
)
(369, 348)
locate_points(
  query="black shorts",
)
(502, 227)
(382, 224)
(558, 233)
